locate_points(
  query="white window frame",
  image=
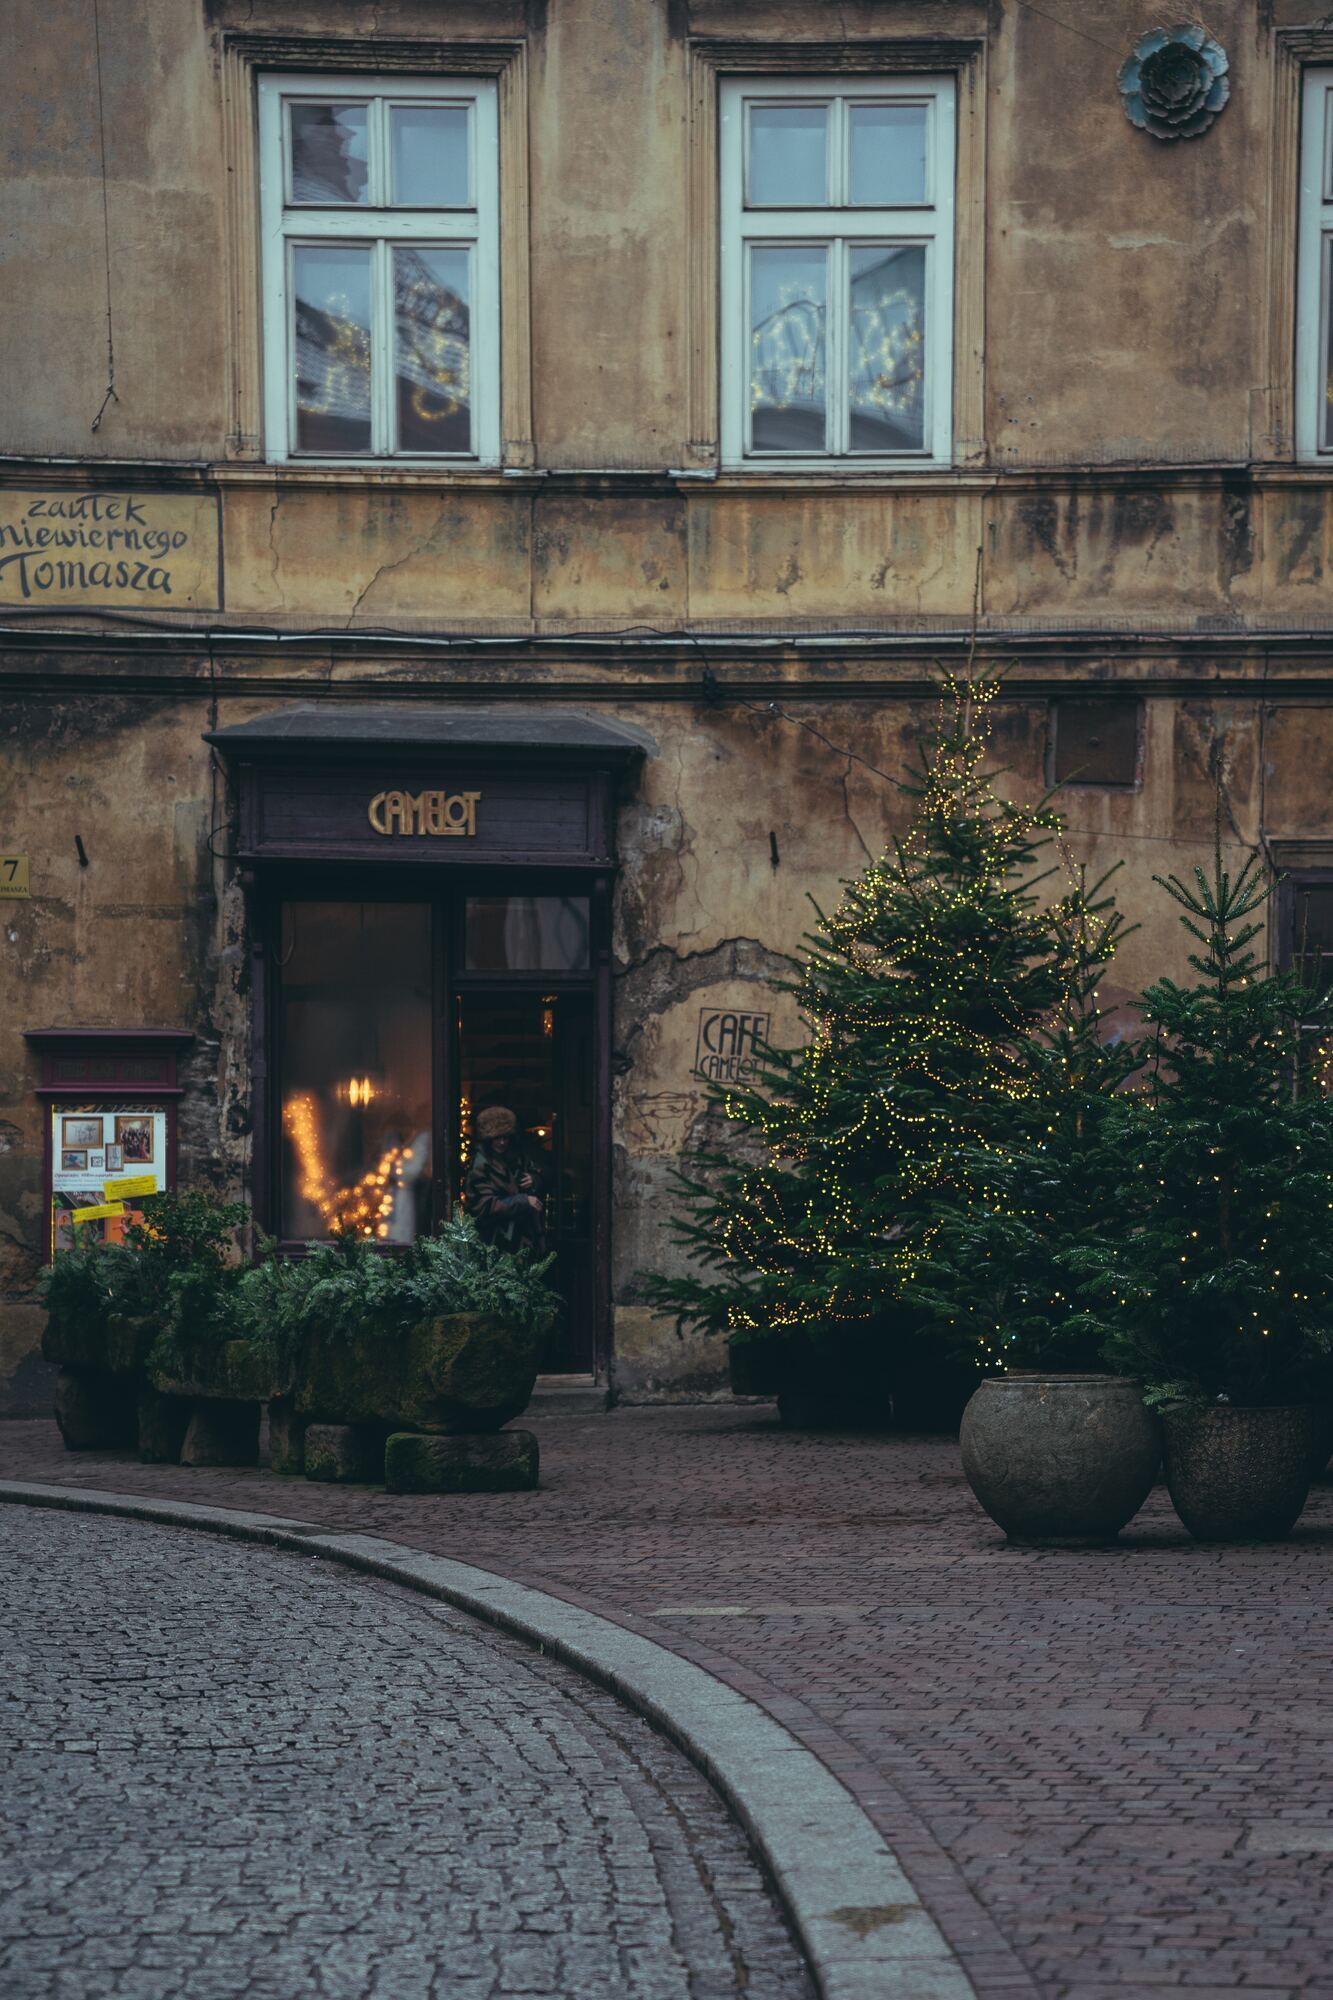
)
(380, 227)
(1314, 265)
(929, 224)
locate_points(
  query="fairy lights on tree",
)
(1005, 1286)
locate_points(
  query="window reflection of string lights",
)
(886, 352)
(548, 1014)
(435, 352)
(335, 357)
(364, 1207)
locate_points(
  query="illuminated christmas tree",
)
(812, 1218)
(1038, 1213)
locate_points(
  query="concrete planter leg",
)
(343, 1453)
(95, 1410)
(286, 1437)
(222, 1434)
(163, 1421)
(501, 1462)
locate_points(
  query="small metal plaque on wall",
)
(145, 551)
(15, 883)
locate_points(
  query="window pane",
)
(330, 152)
(432, 344)
(788, 307)
(429, 145)
(886, 358)
(788, 155)
(1328, 349)
(332, 303)
(526, 934)
(355, 1066)
(888, 153)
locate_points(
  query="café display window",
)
(355, 1035)
(396, 1019)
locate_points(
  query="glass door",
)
(531, 1054)
(524, 1046)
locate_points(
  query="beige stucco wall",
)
(1131, 500)
(151, 930)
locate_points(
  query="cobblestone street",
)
(229, 1772)
(1107, 1773)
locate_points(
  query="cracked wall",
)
(152, 931)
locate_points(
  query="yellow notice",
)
(126, 1190)
(101, 1208)
(140, 551)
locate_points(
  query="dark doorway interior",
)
(533, 1052)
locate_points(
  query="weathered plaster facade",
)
(1124, 477)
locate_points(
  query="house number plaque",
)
(424, 812)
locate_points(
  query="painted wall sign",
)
(158, 551)
(15, 882)
(427, 812)
(729, 1044)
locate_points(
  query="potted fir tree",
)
(808, 1223)
(1222, 1284)
(1057, 1450)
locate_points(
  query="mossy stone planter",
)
(114, 1345)
(234, 1371)
(1241, 1475)
(461, 1372)
(100, 1363)
(1060, 1461)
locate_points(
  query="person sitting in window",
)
(503, 1185)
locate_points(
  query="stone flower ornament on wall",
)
(1174, 82)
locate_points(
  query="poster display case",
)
(110, 1096)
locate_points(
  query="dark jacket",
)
(496, 1203)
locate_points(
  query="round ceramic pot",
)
(1241, 1475)
(1060, 1461)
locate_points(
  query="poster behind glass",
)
(104, 1160)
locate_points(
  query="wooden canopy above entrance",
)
(529, 788)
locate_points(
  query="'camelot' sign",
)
(424, 812)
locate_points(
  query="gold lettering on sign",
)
(425, 813)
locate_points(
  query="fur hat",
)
(495, 1121)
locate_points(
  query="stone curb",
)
(863, 1931)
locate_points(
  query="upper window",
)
(837, 270)
(381, 286)
(1314, 320)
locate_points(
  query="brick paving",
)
(231, 1772)
(1108, 1773)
